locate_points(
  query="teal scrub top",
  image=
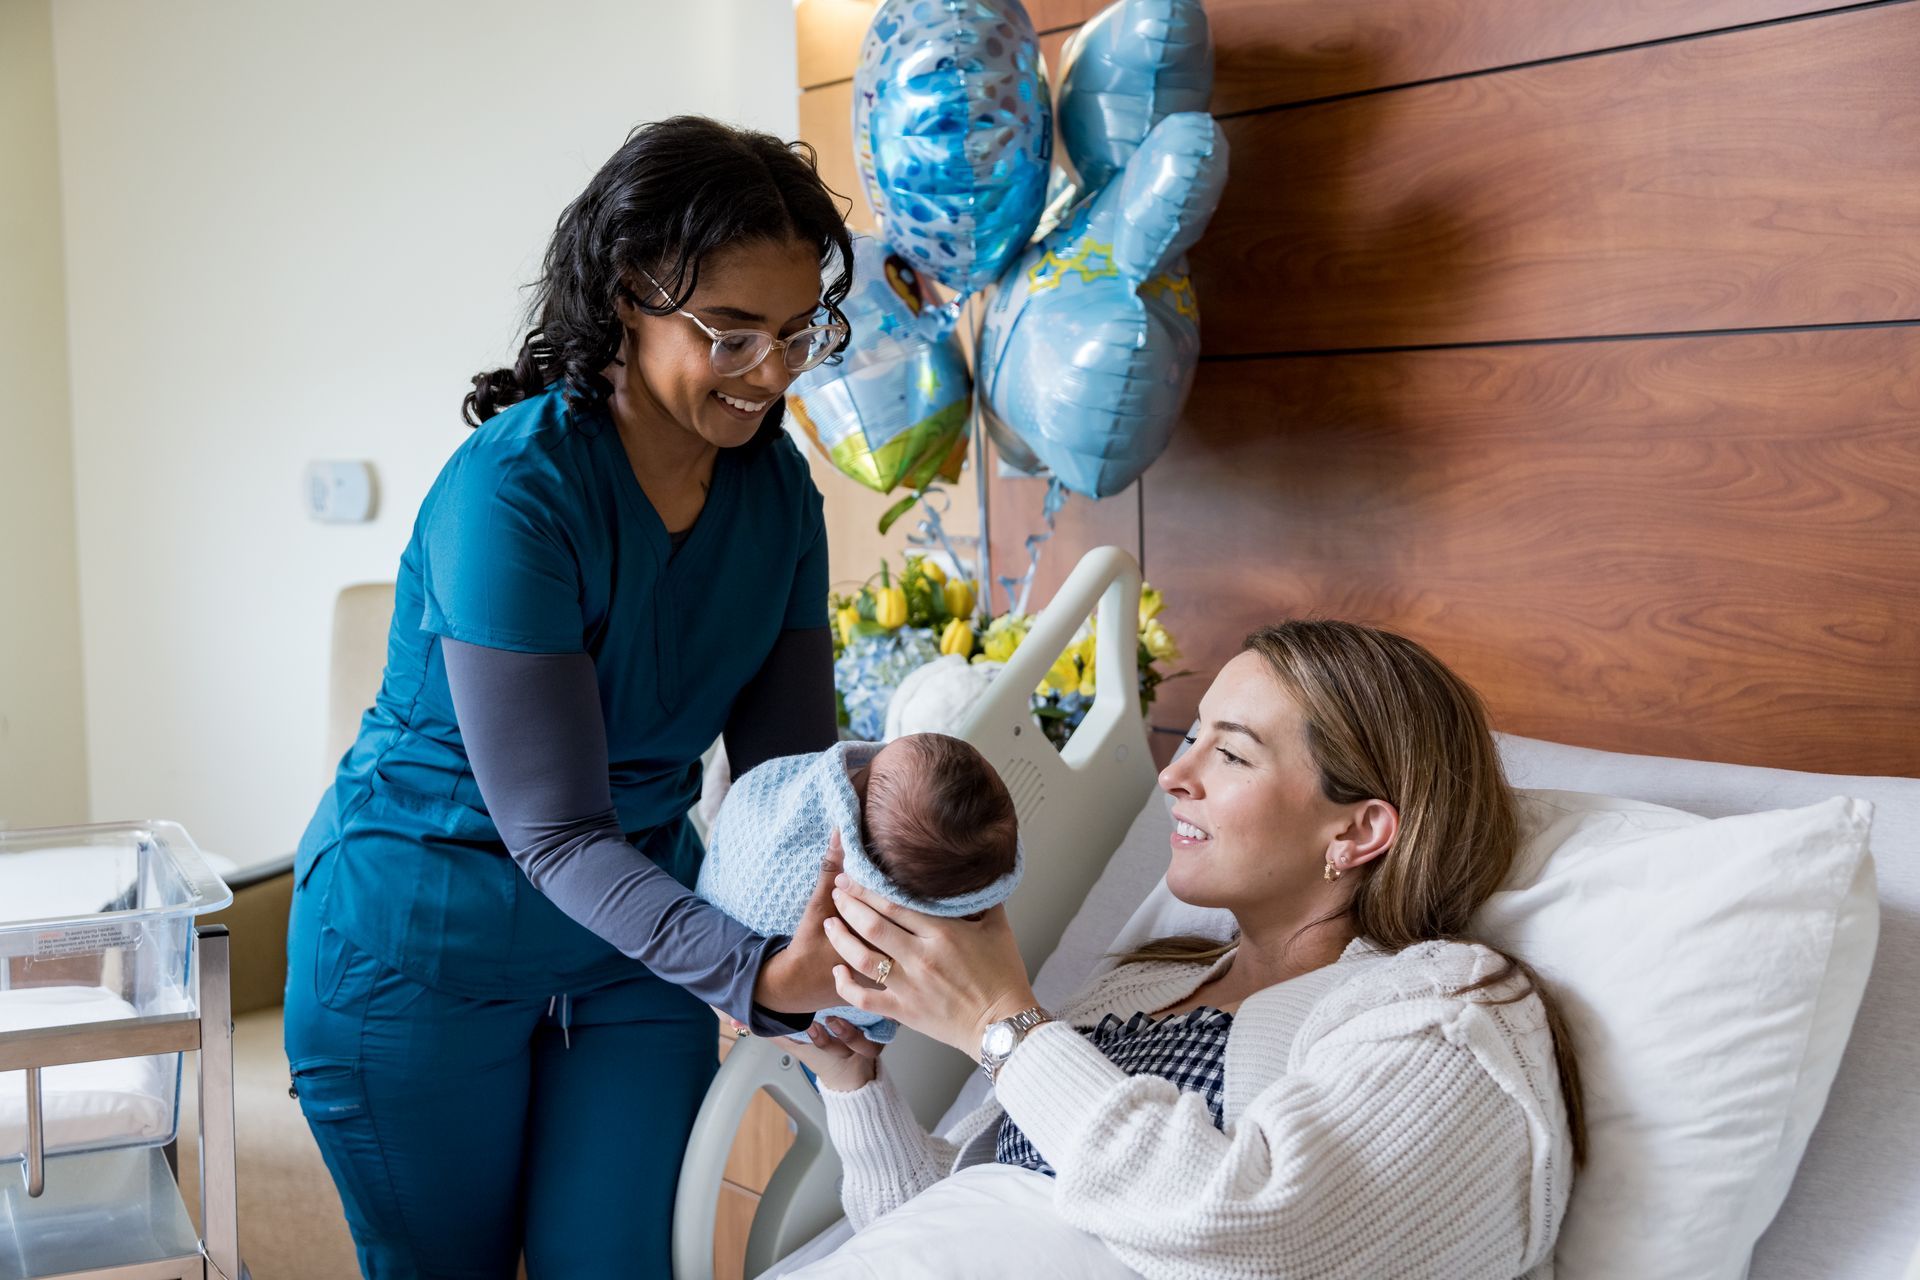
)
(538, 538)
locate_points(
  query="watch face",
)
(999, 1040)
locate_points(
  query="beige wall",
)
(295, 232)
(43, 773)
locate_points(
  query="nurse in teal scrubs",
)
(498, 976)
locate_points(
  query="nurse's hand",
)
(839, 1054)
(799, 978)
(949, 979)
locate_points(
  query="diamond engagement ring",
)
(883, 970)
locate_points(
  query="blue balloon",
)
(892, 410)
(1129, 67)
(953, 134)
(1089, 348)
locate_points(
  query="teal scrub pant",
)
(461, 1131)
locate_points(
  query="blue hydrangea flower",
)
(872, 667)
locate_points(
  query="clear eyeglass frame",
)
(738, 351)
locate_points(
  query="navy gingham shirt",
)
(1188, 1048)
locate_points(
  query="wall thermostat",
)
(340, 492)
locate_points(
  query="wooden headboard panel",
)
(1580, 342)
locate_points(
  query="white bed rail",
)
(1074, 807)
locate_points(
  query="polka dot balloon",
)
(953, 135)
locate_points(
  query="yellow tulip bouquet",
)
(896, 622)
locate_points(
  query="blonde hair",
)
(1387, 720)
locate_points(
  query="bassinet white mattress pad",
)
(84, 1105)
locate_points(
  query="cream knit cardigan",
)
(1376, 1125)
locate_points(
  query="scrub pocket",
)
(333, 1098)
(343, 974)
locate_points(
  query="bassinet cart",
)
(104, 983)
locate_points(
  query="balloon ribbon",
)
(1056, 499)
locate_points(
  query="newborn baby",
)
(924, 821)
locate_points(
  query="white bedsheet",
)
(987, 1222)
(121, 1102)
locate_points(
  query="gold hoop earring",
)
(1332, 872)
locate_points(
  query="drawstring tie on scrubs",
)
(566, 1017)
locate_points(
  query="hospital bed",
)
(1097, 840)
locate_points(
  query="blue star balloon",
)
(953, 135)
(1125, 70)
(1088, 350)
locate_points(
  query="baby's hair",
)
(953, 833)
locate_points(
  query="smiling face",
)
(668, 379)
(1253, 830)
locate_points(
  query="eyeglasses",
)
(738, 351)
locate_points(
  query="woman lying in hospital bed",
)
(1349, 1088)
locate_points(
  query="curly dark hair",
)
(676, 191)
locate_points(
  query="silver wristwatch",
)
(1003, 1037)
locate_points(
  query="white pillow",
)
(1710, 972)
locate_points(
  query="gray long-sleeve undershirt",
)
(535, 737)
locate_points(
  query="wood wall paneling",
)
(1269, 52)
(1698, 546)
(764, 1137)
(1060, 15)
(732, 1224)
(827, 38)
(1703, 547)
(1756, 178)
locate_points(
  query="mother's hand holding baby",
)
(949, 978)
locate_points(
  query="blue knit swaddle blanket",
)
(763, 854)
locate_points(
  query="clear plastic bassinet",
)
(96, 926)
